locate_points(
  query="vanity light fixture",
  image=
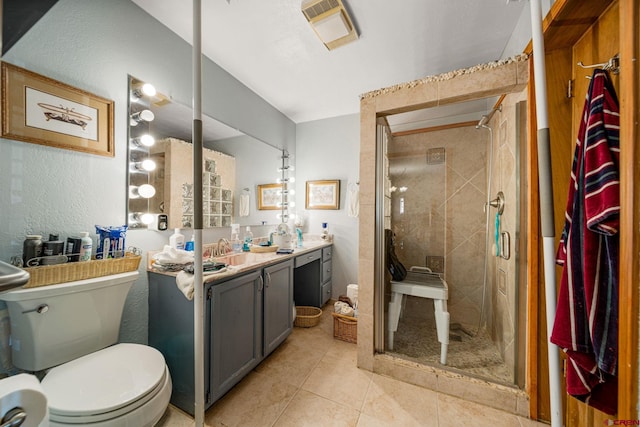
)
(146, 89)
(146, 191)
(147, 165)
(285, 180)
(145, 140)
(330, 21)
(144, 218)
(141, 116)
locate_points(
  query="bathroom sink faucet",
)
(223, 247)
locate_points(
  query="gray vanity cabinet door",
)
(236, 330)
(278, 304)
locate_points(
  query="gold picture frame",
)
(269, 196)
(40, 110)
(323, 194)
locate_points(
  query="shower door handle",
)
(505, 245)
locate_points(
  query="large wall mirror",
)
(160, 171)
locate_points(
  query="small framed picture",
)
(269, 196)
(44, 111)
(323, 194)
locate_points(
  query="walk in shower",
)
(441, 202)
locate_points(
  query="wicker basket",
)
(69, 272)
(345, 328)
(307, 317)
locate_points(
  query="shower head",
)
(483, 122)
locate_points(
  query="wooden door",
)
(591, 31)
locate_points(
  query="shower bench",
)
(421, 282)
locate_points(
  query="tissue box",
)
(345, 328)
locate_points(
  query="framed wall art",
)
(269, 196)
(44, 111)
(323, 194)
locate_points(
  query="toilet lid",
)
(104, 381)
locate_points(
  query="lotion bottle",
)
(86, 246)
(176, 241)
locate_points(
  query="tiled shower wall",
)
(439, 219)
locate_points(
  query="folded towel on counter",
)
(185, 281)
(171, 259)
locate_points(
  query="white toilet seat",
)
(125, 384)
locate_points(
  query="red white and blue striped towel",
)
(586, 323)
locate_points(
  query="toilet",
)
(70, 331)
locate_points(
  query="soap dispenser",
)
(299, 233)
(248, 239)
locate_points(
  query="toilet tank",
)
(54, 324)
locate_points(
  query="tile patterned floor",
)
(312, 380)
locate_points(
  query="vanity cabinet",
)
(247, 316)
(234, 320)
(325, 294)
(278, 304)
(312, 278)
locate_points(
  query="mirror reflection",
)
(160, 193)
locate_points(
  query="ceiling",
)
(270, 47)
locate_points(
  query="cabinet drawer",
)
(326, 253)
(326, 271)
(307, 258)
(326, 292)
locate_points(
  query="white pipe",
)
(198, 300)
(546, 207)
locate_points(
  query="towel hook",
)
(613, 64)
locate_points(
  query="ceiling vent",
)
(330, 21)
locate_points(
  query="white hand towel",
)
(353, 202)
(185, 281)
(244, 205)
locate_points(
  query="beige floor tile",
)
(339, 381)
(343, 350)
(397, 403)
(316, 338)
(258, 400)
(307, 409)
(291, 362)
(453, 412)
(369, 421)
(525, 422)
(174, 417)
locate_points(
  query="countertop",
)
(238, 263)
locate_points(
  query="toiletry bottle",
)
(176, 241)
(325, 231)
(191, 244)
(72, 250)
(236, 243)
(32, 248)
(248, 239)
(299, 233)
(51, 249)
(86, 246)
